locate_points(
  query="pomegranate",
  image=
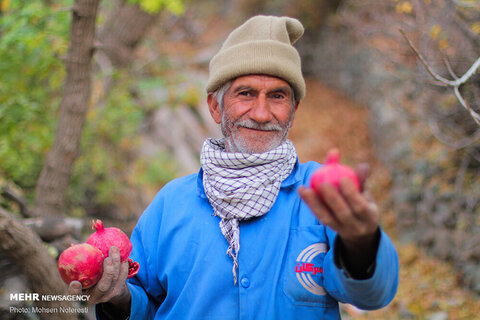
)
(81, 262)
(104, 238)
(332, 172)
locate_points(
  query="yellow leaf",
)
(175, 6)
(476, 27)
(192, 97)
(435, 31)
(443, 44)
(154, 6)
(404, 7)
(4, 5)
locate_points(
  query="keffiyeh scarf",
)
(242, 186)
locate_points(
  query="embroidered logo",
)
(306, 268)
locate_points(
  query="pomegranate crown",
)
(97, 225)
(333, 156)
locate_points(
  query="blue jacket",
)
(286, 261)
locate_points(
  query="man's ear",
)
(214, 108)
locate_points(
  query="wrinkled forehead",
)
(261, 81)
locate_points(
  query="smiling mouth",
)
(259, 129)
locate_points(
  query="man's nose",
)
(260, 111)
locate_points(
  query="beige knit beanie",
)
(262, 45)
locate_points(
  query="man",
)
(288, 254)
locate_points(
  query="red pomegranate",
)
(104, 238)
(332, 172)
(81, 262)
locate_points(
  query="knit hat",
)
(262, 45)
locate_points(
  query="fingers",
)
(363, 172)
(112, 284)
(347, 211)
(75, 288)
(104, 289)
(322, 213)
(108, 276)
(362, 204)
(337, 203)
(123, 272)
(118, 291)
(356, 202)
(114, 254)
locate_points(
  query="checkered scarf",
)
(242, 186)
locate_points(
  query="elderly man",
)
(243, 238)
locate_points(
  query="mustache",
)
(252, 124)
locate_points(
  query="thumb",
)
(363, 172)
(75, 288)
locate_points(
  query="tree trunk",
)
(25, 248)
(126, 25)
(55, 176)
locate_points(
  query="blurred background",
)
(103, 102)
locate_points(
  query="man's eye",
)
(278, 96)
(244, 93)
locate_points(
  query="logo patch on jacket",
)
(306, 268)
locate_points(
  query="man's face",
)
(257, 113)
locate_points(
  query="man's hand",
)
(112, 285)
(352, 214)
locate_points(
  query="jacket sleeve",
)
(143, 305)
(369, 294)
(146, 290)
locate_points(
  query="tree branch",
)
(455, 84)
(55, 176)
(459, 144)
(26, 250)
(123, 30)
(10, 194)
(449, 67)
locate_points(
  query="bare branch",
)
(470, 72)
(455, 84)
(459, 144)
(449, 67)
(475, 116)
(424, 62)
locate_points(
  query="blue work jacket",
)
(286, 261)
